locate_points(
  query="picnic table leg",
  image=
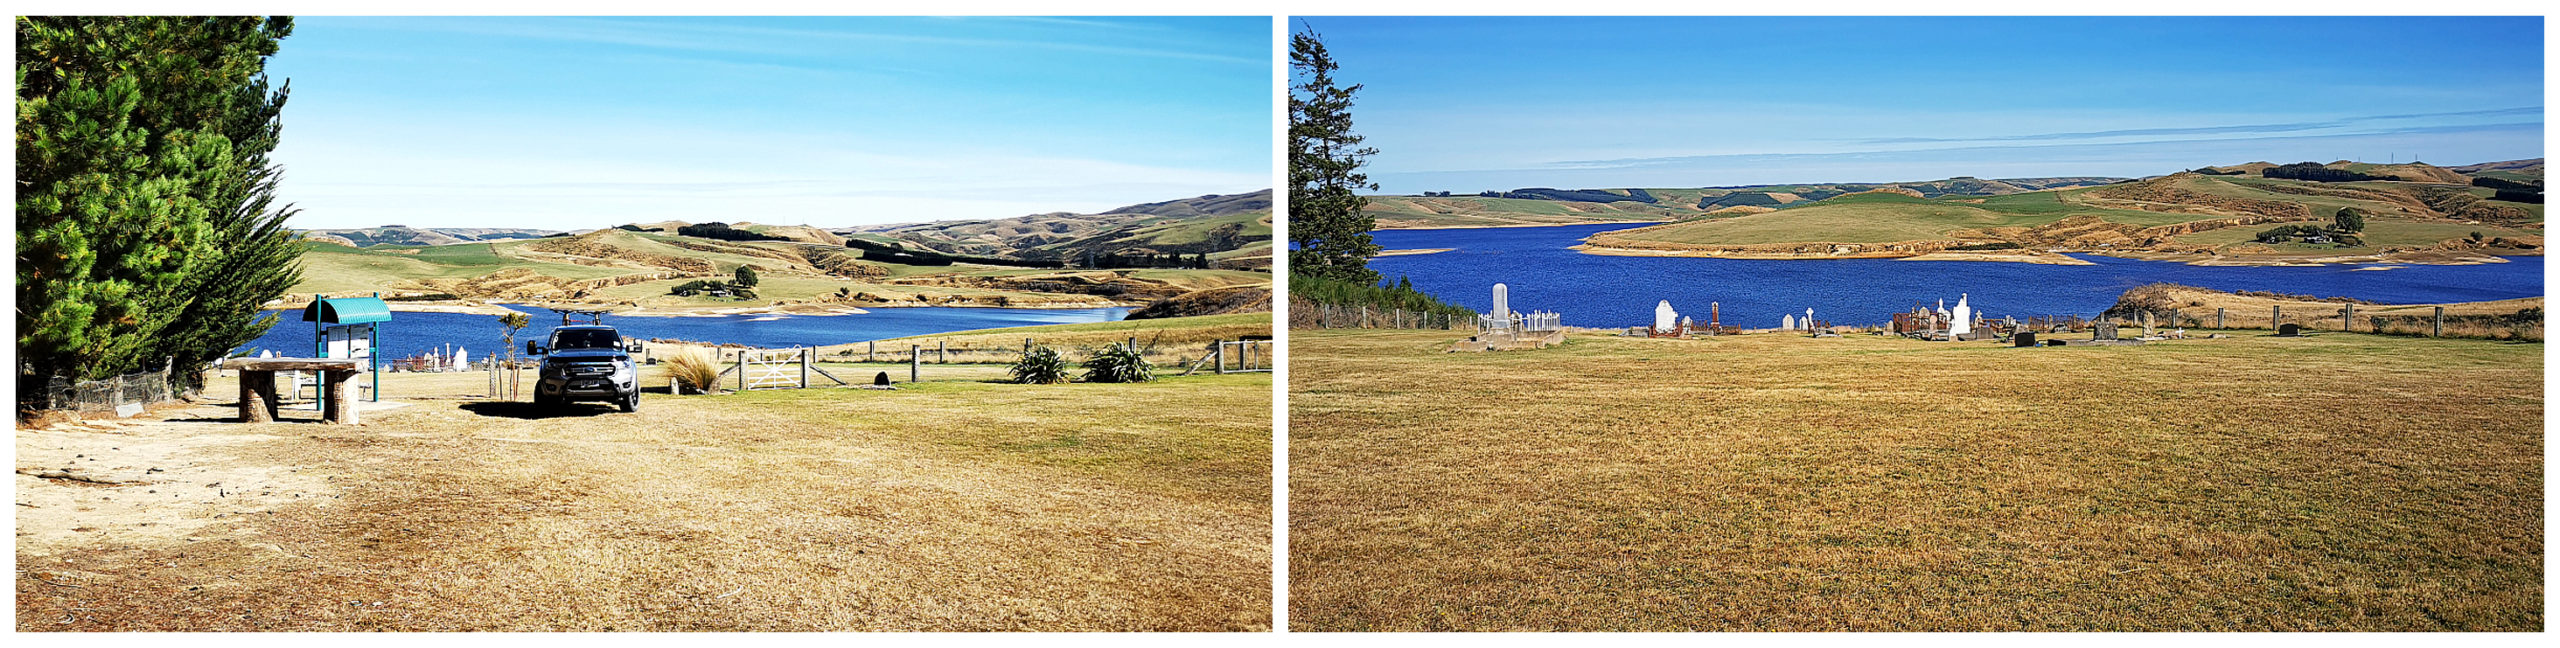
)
(342, 402)
(257, 403)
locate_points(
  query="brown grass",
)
(2337, 482)
(940, 506)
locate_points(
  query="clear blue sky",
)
(563, 123)
(1469, 104)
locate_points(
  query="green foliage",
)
(146, 222)
(1042, 366)
(1118, 363)
(746, 275)
(2290, 232)
(1328, 228)
(1401, 296)
(2349, 220)
(513, 322)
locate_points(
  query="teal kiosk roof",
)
(350, 310)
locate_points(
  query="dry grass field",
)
(1770, 482)
(954, 504)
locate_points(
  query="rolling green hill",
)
(2184, 213)
(1234, 230)
(1556, 207)
(405, 235)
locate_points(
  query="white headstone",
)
(1963, 322)
(1808, 319)
(1501, 302)
(1791, 322)
(461, 357)
(1665, 320)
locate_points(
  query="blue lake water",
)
(1608, 291)
(409, 334)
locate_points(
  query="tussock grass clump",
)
(1118, 363)
(694, 368)
(1042, 366)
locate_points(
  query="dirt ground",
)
(952, 505)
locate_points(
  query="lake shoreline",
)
(1544, 272)
(2412, 257)
(493, 309)
(1467, 227)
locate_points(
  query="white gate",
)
(783, 369)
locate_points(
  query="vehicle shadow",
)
(530, 411)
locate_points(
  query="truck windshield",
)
(585, 339)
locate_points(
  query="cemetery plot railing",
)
(1531, 322)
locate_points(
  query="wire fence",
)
(2524, 324)
(124, 395)
(1311, 315)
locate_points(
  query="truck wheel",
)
(545, 402)
(631, 403)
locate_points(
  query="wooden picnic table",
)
(258, 386)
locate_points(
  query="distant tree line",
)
(2344, 229)
(2504, 184)
(722, 231)
(2314, 172)
(2511, 195)
(1996, 245)
(2216, 172)
(1147, 260)
(900, 254)
(1574, 195)
(702, 286)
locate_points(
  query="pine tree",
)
(143, 223)
(1329, 231)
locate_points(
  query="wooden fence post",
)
(1219, 357)
(742, 370)
(2277, 322)
(1026, 347)
(2439, 322)
(871, 351)
(806, 354)
(942, 352)
(2217, 318)
(2348, 322)
(915, 362)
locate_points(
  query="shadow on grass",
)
(519, 410)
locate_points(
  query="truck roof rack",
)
(570, 317)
